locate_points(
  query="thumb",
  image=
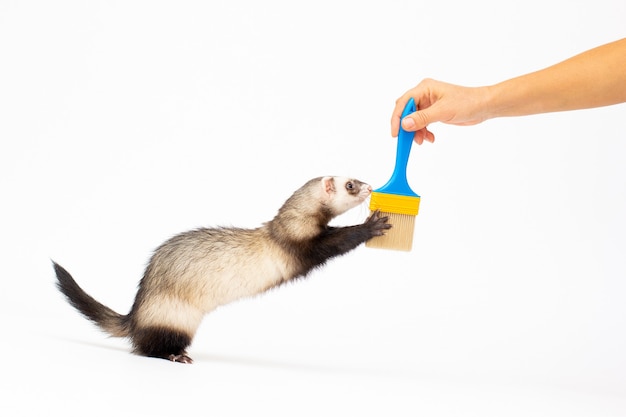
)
(417, 120)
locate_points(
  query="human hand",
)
(437, 101)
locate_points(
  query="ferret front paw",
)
(377, 224)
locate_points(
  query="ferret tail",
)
(108, 320)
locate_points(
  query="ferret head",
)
(315, 204)
(340, 194)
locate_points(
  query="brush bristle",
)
(399, 237)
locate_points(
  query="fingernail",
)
(408, 123)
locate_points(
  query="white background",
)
(125, 122)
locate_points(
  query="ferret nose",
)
(368, 188)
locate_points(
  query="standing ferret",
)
(197, 271)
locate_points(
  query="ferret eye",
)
(349, 185)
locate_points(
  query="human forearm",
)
(591, 79)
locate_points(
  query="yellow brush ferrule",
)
(394, 203)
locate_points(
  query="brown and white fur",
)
(197, 271)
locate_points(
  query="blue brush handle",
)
(398, 183)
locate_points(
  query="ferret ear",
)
(328, 185)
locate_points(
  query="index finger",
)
(396, 115)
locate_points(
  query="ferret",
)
(197, 271)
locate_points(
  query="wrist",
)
(488, 105)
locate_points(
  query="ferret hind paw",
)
(182, 358)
